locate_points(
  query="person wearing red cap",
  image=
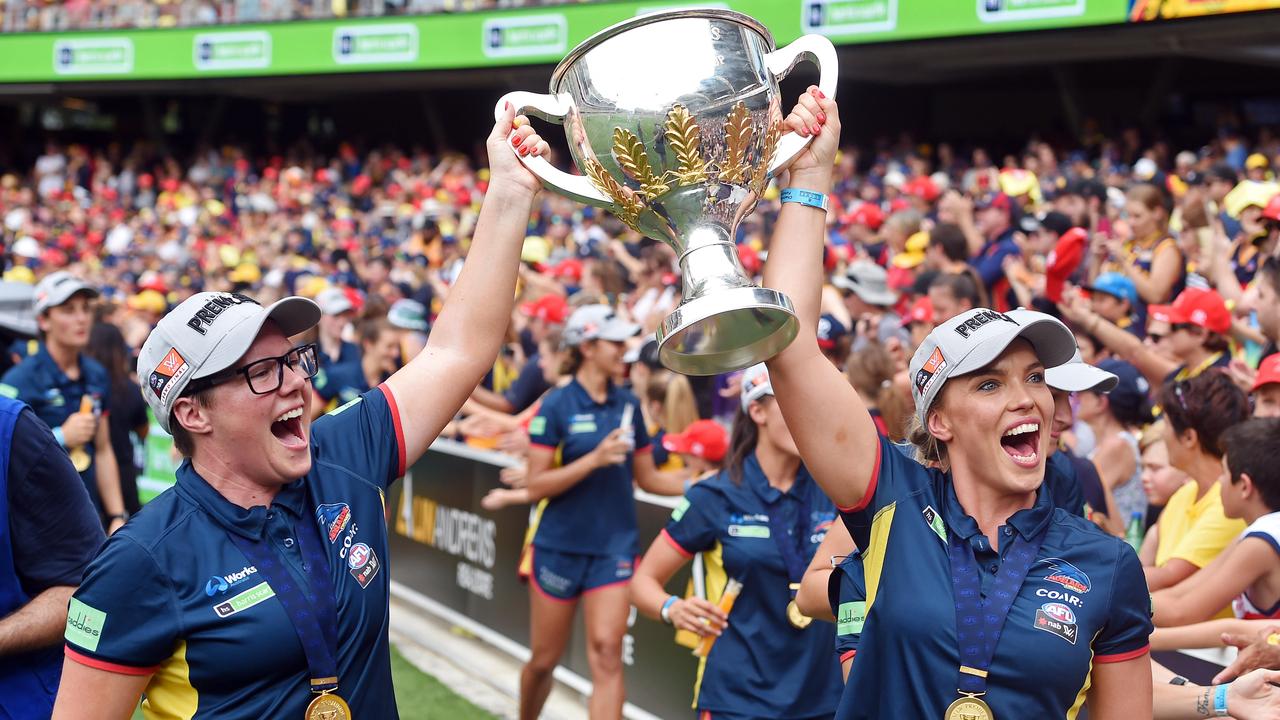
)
(701, 446)
(1266, 388)
(1199, 322)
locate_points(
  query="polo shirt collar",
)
(611, 393)
(1028, 522)
(43, 357)
(754, 477)
(247, 522)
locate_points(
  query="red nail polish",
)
(506, 105)
(817, 129)
(822, 118)
(524, 150)
(515, 140)
(803, 132)
(822, 95)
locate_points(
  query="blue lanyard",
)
(790, 541)
(979, 621)
(311, 610)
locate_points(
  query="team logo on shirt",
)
(1057, 619)
(935, 522)
(934, 365)
(333, 517)
(1067, 575)
(363, 564)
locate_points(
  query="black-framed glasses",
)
(265, 376)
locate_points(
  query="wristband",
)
(806, 197)
(1220, 700)
(666, 609)
(57, 435)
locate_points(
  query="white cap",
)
(207, 333)
(1076, 375)
(596, 322)
(333, 301)
(755, 384)
(57, 288)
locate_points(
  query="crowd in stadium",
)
(37, 16)
(1164, 265)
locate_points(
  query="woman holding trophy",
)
(982, 600)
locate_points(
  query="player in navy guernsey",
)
(589, 447)
(982, 599)
(758, 521)
(257, 587)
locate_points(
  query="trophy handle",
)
(552, 108)
(818, 50)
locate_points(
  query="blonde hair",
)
(871, 371)
(674, 393)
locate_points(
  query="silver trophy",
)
(676, 120)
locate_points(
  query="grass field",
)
(420, 696)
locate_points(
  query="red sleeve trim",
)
(848, 655)
(646, 449)
(871, 486)
(109, 667)
(540, 446)
(672, 542)
(1121, 657)
(395, 420)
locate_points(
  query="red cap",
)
(706, 439)
(549, 308)
(1272, 211)
(899, 204)
(568, 268)
(1063, 261)
(922, 187)
(1268, 371)
(1204, 308)
(749, 258)
(921, 312)
(866, 214)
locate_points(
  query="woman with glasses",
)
(256, 586)
(1192, 528)
(1198, 322)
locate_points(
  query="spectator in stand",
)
(1144, 251)
(1193, 529)
(1263, 299)
(701, 447)
(951, 295)
(379, 360)
(1114, 298)
(993, 220)
(70, 391)
(1116, 419)
(833, 340)
(1197, 340)
(948, 254)
(337, 313)
(919, 320)
(1160, 481)
(410, 318)
(1246, 576)
(1266, 388)
(1083, 493)
(872, 372)
(867, 297)
(669, 406)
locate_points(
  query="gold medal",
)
(79, 458)
(328, 707)
(969, 707)
(798, 619)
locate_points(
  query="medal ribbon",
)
(311, 609)
(980, 621)
(790, 544)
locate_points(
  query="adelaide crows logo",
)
(334, 518)
(1067, 575)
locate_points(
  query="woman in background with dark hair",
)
(758, 522)
(127, 415)
(1193, 529)
(1116, 419)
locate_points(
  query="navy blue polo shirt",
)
(171, 596)
(1085, 601)
(847, 595)
(1060, 479)
(347, 353)
(343, 383)
(597, 516)
(529, 385)
(761, 666)
(40, 383)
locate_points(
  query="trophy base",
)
(726, 330)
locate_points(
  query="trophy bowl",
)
(675, 121)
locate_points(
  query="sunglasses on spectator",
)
(1189, 327)
(264, 376)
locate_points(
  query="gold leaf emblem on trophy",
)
(684, 137)
(635, 163)
(629, 204)
(738, 131)
(760, 178)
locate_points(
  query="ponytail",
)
(742, 442)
